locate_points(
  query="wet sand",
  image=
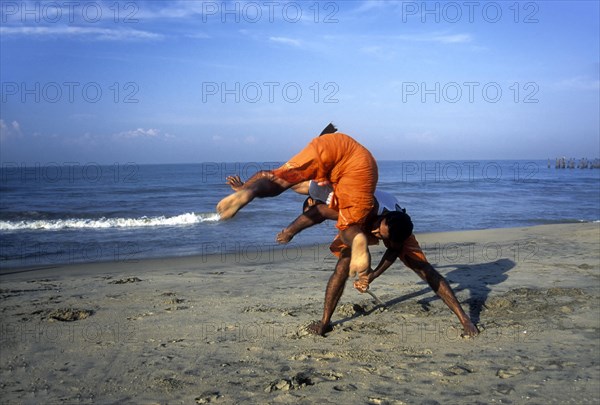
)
(230, 329)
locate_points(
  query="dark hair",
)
(329, 129)
(305, 205)
(308, 204)
(399, 224)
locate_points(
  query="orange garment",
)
(347, 165)
(411, 249)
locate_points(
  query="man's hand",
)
(362, 284)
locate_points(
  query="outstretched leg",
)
(333, 293)
(438, 283)
(262, 184)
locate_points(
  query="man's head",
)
(394, 226)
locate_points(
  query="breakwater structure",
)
(572, 163)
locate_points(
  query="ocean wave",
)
(104, 223)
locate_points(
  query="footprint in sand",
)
(508, 373)
(208, 397)
(298, 381)
(70, 314)
(126, 280)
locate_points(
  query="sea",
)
(53, 214)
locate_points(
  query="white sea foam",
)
(101, 223)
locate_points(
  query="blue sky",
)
(193, 81)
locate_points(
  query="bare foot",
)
(359, 261)
(470, 330)
(230, 205)
(284, 237)
(362, 284)
(317, 328)
(235, 182)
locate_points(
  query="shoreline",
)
(227, 329)
(255, 252)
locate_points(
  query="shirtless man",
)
(333, 158)
(395, 230)
(394, 227)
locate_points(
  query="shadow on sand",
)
(477, 279)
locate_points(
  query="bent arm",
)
(388, 258)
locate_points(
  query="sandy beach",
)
(230, 329)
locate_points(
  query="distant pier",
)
(573, 163)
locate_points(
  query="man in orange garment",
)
(331, 158)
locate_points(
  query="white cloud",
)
(85, 140)
(82, 116)
(96, 33)
(248, 140)
(442, 38)
(15, 125)
(370, 5)
(13, 130)
(141, 133)
(176, 9)
(368, 8)
(198, 35)
(8, 131)
(451, 39)
(386, 46)
(423, 138)
(578, 83)
(286, 41)
(378, 51)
